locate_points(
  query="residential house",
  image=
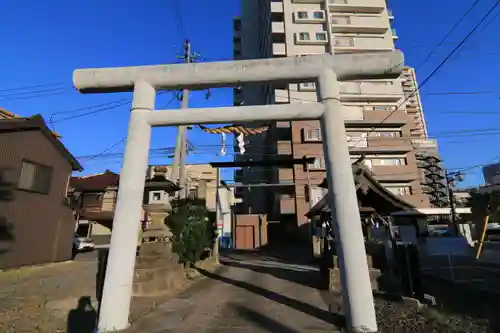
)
(36, 222)
(200, 181)
(94, 200)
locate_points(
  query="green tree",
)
(191, 228)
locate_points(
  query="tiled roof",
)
(19, 124)
(6, 115)
(95, 183)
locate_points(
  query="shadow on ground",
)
(295, 255)
(262, 321)
(303, 276)
(82, 319)
(282, 299)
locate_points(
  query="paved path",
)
(252, 293)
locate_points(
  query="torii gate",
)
(144, 81)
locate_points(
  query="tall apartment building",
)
(292, 28)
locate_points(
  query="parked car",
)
(82, 244)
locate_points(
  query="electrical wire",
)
(443, 62)
(178, 17)
(111, 107)
(32, 96)
(455, 26)
(119, 141)
(31, 87)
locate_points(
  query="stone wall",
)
(158, 271)
(376, 260)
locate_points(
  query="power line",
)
(90, 107)
(445, 60)
(214, 149)
(119, 141)
(31, 86)
(178, 17)
(455, 26)
(117, 104)
(91, 112)
(490, 22)
(32, 96)
(21, 93)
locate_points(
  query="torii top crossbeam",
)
(228, 73)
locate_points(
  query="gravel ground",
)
(396, 316)
(39, 299)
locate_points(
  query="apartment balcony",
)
(307, 1)
(283, 124)
(279, 49)
(284, 147)
(390, 14)
(389, 90)
(359, 24)
(393, 173)
(394, 34)
(395, 118)
(425, 143)
(287, 206)
(379, 145)
(344, 44)
(359, 6)
(278, 27)
(285, 175)
(276, 6)
(281, 96)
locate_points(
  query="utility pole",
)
(451, 179)
(178, 165)
(218, 216)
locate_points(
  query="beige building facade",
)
(387, 136)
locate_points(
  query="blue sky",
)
(44, 41)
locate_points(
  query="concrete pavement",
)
(256, 292)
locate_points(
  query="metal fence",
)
(462, 269)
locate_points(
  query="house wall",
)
(42, 225)
(96, 202)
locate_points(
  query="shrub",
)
(192, 230)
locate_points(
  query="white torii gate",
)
(144, 81)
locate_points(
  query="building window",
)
(307, 86)
(321, 36)
(316, 194)
(319, 15)
(304, 36)
(35, 177)
(380, 107)
(356, 139)
(312, 134)
(399, 190)
(302, 15)
(318, 164)
(388, 161)
(386, 134)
